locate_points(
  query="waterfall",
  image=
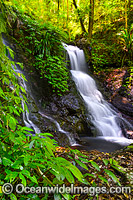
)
(103, 117)
(69, 135)
(26, 115)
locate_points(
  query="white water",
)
(102, 116)
(70, 137)
(26, 116)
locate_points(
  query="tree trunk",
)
(126, 14)
(67, 10)
(80, 18)
(91, 19)
(58, 5)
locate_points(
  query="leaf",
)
(56, 181)
(81, 164)
(66, 196)
(69, 176)
(87, 174)
(130, 146)
(46, 134)
(118, 168)
(13, 197)
(22, 178)
(12, 123)
(17, 164)
(27, 129)
(57, 196)
(111, 174)
(11, 175)
(114, 162)
(76, 172)
(103, 179)
(95, 165)
(105, 161)
(26, 173)
(33, 179)
(6, 161)
(26, 159)
(49, 149)
(31, 144)
(84, 160)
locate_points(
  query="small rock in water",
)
(130, 134)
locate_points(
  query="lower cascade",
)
(103, 117)
(26, 115)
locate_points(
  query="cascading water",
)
(70, 137)
(104, 118)
(26, 115)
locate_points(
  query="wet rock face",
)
(123, 105)
(68, 110)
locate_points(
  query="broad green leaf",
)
(6, 161)
(57, 196)
(76, 172)
(87, 174)
(69, 176)
(26, 173)
(105, 161)
(26, 128)
(12, 123)
(66, 196)
(130, 146)
(114, 162)
(95, 165)
(31, 144)
(26, 159)
(17, 164)
(103, 179)
(112, 175)
(118, 168)
(33, 179)
(56, 181)
(84, 160)
(22, 178)
(111, 161)
(11, 175)
(81, 164)
(13, 197)
(46, 134)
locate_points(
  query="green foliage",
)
(25, 159)
(126, 40)
(104, 52)
(32, 160)
(99, 172)
(42, 43)
(56, 73)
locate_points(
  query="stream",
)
(107, 122)
(109, 134)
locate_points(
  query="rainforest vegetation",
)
(104, 30)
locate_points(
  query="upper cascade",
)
(104, 118)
